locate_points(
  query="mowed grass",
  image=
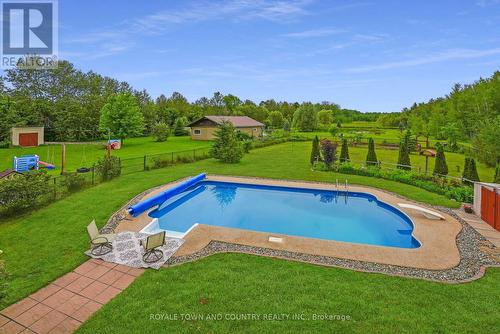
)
(234, 285)
(84, 155)
(43, 245)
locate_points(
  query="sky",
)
(373, 56)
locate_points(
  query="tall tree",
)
(371, 157)
(344, 151)
(304, 117)
(440, 166)
(122, 117)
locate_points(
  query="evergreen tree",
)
(470, 171)
(227, 147)
(371, 157)
(315, 154)
(179, 129)
(344, 151)
(404, 152)
(440, 166)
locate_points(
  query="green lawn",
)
(42, 245)
(84, 155)
(236, 284)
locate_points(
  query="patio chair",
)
(100, 243)
(151, 245)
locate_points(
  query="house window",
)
(197, 132)
(254, 129)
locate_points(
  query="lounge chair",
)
(150, 244)
(426, 212)
(101, 243)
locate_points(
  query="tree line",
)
(469, 113)
(70, 103)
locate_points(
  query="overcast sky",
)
(366, 55)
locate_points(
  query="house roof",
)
(236, 121)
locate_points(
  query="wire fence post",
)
(93, 174)
(144, 162)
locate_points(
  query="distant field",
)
(84, 155)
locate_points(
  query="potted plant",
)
(468, 208)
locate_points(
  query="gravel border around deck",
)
(476, 253)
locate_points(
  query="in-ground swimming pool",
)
(324, 214)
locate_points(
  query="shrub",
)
(329, 151)
(470, 172)
(227, 147)
(20, 193)
(159, 162)
(404, 152)
(315, 154)
(371, 157)
(108, 168)
(344, 151)
(440, 166)
(160, 132)
(334, 130)
(73, 181)
(436, 185)
(247, 146)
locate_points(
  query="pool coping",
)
(438, 251)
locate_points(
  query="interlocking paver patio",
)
(63, 305)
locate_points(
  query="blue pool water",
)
(323, 214)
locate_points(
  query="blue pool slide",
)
(147, 204)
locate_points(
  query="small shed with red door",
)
(27, 136)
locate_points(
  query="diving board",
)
(426, 212)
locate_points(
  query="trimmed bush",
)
(344, 151)
(73, 181)
(470, 172)
(315, 154)
(404, 152)
(440, 166)
(371, 157)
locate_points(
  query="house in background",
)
(27, 136)
(205, 127)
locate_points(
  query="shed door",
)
(28, 139)
(488, 206)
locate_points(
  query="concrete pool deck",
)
(438, 238)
